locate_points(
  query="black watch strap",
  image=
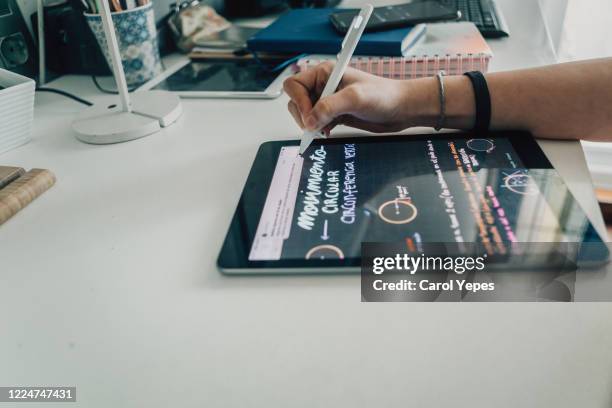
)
(483, 102)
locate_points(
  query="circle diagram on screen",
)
(481, 145)
(521, 183)
(325, 252)
(397, 211)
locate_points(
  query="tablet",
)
(311, 214)
(223, 78)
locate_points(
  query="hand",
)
(362, 101)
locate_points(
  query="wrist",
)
(460, 102)
(421, 104)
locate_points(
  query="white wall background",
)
(587, 33)
(586, 30)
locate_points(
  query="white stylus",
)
(351, 39)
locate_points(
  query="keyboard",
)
(484, 13)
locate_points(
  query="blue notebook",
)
(310, 31)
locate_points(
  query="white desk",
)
(109, 283)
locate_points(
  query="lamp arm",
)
(41, 43)
(113, 49)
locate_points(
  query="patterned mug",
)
(137, 38)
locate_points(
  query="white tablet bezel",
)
(274, 90)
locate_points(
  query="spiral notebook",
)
(454, 48)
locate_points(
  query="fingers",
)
(306, 87)
(330, 107)
(299, 93)
(302, 88)
(293, 109)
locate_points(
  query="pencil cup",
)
(137, 38)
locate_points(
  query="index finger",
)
(301, 87)
(298, 89)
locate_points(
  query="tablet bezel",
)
(260, 178)
(274, 90)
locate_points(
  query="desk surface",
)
(109, 283)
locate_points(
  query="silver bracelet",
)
(442, 117)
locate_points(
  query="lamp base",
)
(105, 122)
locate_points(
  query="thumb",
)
(328, 108)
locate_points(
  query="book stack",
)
(454, 48)
(402, 53)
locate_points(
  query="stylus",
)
(351, 39)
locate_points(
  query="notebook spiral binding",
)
(410, 67)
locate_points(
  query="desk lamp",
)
(136, 115)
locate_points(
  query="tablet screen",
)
(436, 189)
(317, 210)
(221, 75)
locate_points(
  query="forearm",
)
(564, 101)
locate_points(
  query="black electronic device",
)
(484, 13)
(17, 52)
(401, 15)
(252, 8)
(237, 77)
(310, 214)
(313, 3)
